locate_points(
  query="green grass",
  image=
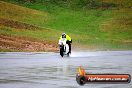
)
(102, 28)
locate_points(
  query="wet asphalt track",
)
(49, 70)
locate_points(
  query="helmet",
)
(63, 35)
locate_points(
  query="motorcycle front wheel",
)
(62, 50)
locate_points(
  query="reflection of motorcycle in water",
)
(64, 47)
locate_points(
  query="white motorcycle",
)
(64, 48)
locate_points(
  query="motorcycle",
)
(64, 47)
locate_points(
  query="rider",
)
(68, 40)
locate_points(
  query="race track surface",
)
(50, 70)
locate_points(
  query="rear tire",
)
(68, 54)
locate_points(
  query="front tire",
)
(62, 50)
